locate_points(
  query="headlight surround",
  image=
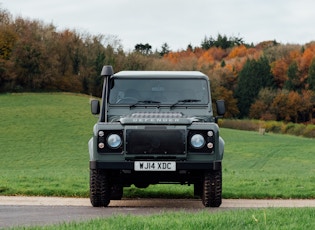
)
(114, 141)
(197, 141)
(110, 141)
(201, 141)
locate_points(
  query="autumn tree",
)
(294, 106)
(230, 102)
(260, 109)
(279, 106)
(287, 106)
(308, 105)
(8, 39)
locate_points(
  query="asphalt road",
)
(28, 211)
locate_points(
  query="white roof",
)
(175, 74)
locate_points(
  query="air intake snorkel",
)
(107, 72)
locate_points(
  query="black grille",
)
(155, 141)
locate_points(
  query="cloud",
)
(177, 22)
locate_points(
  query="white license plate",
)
(155, 166)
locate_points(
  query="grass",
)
(270, 218)
(268, 166)
(43, 142)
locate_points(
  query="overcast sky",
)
(176, 22)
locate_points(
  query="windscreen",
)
(159, 91)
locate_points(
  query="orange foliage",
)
(210, 56)
(205, 58)
(235, 65)
(258, 109)
(294, 105)
(279, 70)
(175, 57)
(238, 51)
(306, 59)
(242, 51)
(294, 54)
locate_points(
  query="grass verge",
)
(270, 218)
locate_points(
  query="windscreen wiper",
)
(184, 101)
(144, 102)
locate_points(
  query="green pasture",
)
(43, 147)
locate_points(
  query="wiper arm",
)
(184, 101)
(144, 102)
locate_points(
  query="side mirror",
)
(220, 107)
(95, 107)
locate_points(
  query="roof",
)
(160, 74)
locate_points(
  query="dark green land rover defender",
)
(155, 127)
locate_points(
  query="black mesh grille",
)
(155, 141)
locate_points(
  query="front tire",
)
(212, 188)
(99, 188)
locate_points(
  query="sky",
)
(175, 22)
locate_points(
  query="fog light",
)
(210, 133)
(210, 145)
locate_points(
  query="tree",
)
(293, 82)
(257, 109)
(143, 48)
(260, 109)
(230, 102)
(7, 41)
(294, 106)
(279, 106)
(221, 41)
(311, 76)
(165, 49)
(254, 76)
(308, 105)
(5, 17)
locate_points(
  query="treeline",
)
(268, 81)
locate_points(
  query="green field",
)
(43, 142)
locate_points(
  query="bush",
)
(250, 125)
(273, 126)
(309, 131)
(270, 126)
(294, 129)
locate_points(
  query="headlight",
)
(197, 141)
(114, 141)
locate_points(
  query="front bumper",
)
(180, 165)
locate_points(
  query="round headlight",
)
(197, 141)
(114, 141)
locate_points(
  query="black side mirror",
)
(95, 107)
(220, 107)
